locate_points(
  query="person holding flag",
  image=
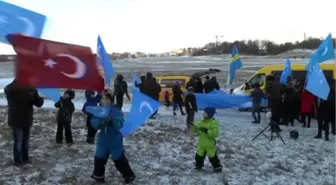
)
(235, 64)
(110, 141)
(286, 72)
(92, 99)
(64, 116)
(318, 85)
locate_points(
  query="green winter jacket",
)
(207, 141)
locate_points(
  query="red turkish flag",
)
(56, 65)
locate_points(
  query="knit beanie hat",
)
(210, 111)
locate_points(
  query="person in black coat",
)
(199, 85)
(150, 86)
(157, 89)
(120, 89)
(273, 93)
(177, 98)
(190, 106)
(191, 83)
(332, 105)
(323, 117)
(141, 84)
(64, 116)
(207, 85)
(288, 105)
(214, 84)
(20, 118)
(257, 95)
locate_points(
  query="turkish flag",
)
(57, 66)
(35, 46)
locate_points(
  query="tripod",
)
(273, 126)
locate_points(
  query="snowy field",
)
(162, 153)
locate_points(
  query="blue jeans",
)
(21, 144)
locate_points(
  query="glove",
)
(205, 130)
(107, 122)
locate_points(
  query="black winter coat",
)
(190, 102)
(177, 94)
(150, 88)
(65, 110)
(20, 105)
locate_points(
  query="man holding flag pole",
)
(317, 84)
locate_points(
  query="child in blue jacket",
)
(91, 100)
(110, 142)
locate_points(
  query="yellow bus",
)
(298, 71)
(168, 81)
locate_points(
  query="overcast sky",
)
(164, 25)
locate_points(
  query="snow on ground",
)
(162, 153)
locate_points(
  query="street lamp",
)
(221, 36)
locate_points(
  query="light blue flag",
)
(15, 19)
(235, 63)
(317, 83)
(323, 53)
(105, 61)
(286, 72)
(52, 93)
(98, 111)
(142, 107)
(220, 100)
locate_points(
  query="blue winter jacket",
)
(90, 100)
(110, 139)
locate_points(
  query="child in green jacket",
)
(207, 129)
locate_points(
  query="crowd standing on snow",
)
(287, 103)
(110, 140)
(292, 102)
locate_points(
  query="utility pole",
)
(304, 36)
(221, 36)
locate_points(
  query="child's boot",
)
(217, 167)
(199, 162)
(99, 169)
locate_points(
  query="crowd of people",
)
(110, 140)
(287, 103)
(292, 102)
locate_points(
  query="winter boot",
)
(129, 180)
(217, 167)
(124, 168)
(326, 136)
(318, 136)
(99, 169)
(199, 162)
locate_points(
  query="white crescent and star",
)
(80, 66)
(29, 29)
(146, 104)
(325, 51)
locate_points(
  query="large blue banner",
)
(222, 100)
